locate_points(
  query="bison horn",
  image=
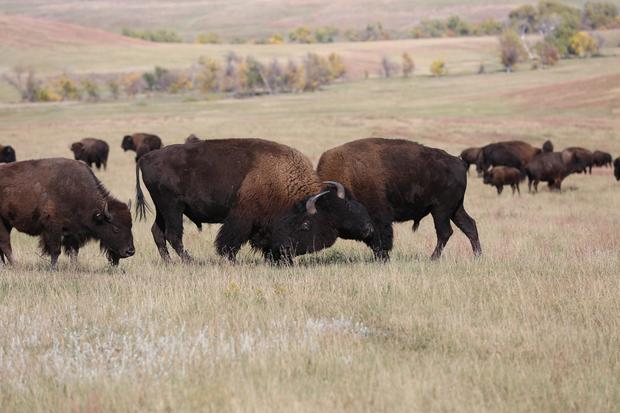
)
(338, 186)
(106, 211)
(311, 203)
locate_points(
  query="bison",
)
(7, 154)
(617, 169)
(262, 192)
(551, 167)
(547, 146)
(192, 139)
(499, 176)
(399, 180)
(469, 156)
(515, 154)
(583, 159)
(600, 158)
(63, 202)
(92, 151)
(141, 143)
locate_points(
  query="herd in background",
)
(265, 193)
(509, 163)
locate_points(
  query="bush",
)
(582, 45)
(114, 88)
(208, 38)
(133, 84)
(208, 75)
(301, 35)
(325, 34)
(294, 77)
(431, 28)
(337, 69)
(457, 26)
(408, 65)
(388, 68)
(275, 38)
(438, 68)
(548, 54)
(91, 89)
(24, 81)
(374, 32)
(67, 88)
(159, 35)
(316, 72)
(511, 49)
(489, 27)
(599, 15)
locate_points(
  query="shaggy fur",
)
(516, 154)
(92, 151)
(141, 143)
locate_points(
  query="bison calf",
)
(92, 151)
(600, 158)
(399, 180)
(7, 154)
(141, 143)
(500, 176)
(62, 201)
(262, 192)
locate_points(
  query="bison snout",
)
(368, 230)
(130, 252)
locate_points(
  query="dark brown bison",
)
(547, 146)
(192, 139)
(499, 176)
(399, 180)
(583, 158)
(469, 156)
(62, 201)
(141, 143)
(262, 192)
(551, 167)
(92, 151)
(617, 169)
(600, 158)
(7, 154)
(516, 154)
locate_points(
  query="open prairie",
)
(532, 325)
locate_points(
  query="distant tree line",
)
(531, 19)
(234, 76)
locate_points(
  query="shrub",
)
(24, 81)
(159, 35)
(337, 69)
(275, 38)
(438, 68)
(47, 94)
(274, 77)
(208, 74)
(408, 65)
(91, 89)
(325, 34)
(599, 15)
(114, 88)
(432, 28)
(316, 72)
(582, 45)
(301, 35)
(294, 77)
(488, 27)
(511, 49)
(208, 38)
(374, 32)
(458, 27)
(133, 84)
(547, 53)
(67, 88)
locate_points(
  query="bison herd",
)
(265, 194)
(509, 163)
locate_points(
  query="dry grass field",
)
(531, 326)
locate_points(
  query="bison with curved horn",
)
(399, 180)
(62, 201)
(262, 192)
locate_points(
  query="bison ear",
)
(129, 204)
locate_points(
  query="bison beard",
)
(67, 206)
(262, 192)
(399, 180)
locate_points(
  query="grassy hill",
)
(249, 18)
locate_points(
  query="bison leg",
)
(72, 248)
(5, 244)
(500, 188)
(52, 242)
(444, 232)
(382, 240)
(174, 235)
(234, 232)
(468, 225)
(158, 236)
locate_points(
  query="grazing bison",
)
(66, 205)
(399, 180)
(551, 167)
(7, 154)
(600, 158)
(263, 192)
(617, 169)
(583, 159)
(547, 146)
(141, 143)
(499, 176)
(92, 151)
(469, 156)
(192, 139)
(516, 154)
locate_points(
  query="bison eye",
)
(305, 226)
(115, 229)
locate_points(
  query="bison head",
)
(192, 139)
(7, 154)
(317, 222)
(128, 143)
(547, 146)
(112, 227)
(77, 148)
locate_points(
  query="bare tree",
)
(23, 79)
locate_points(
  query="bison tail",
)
(416, 225)
(142, 207)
